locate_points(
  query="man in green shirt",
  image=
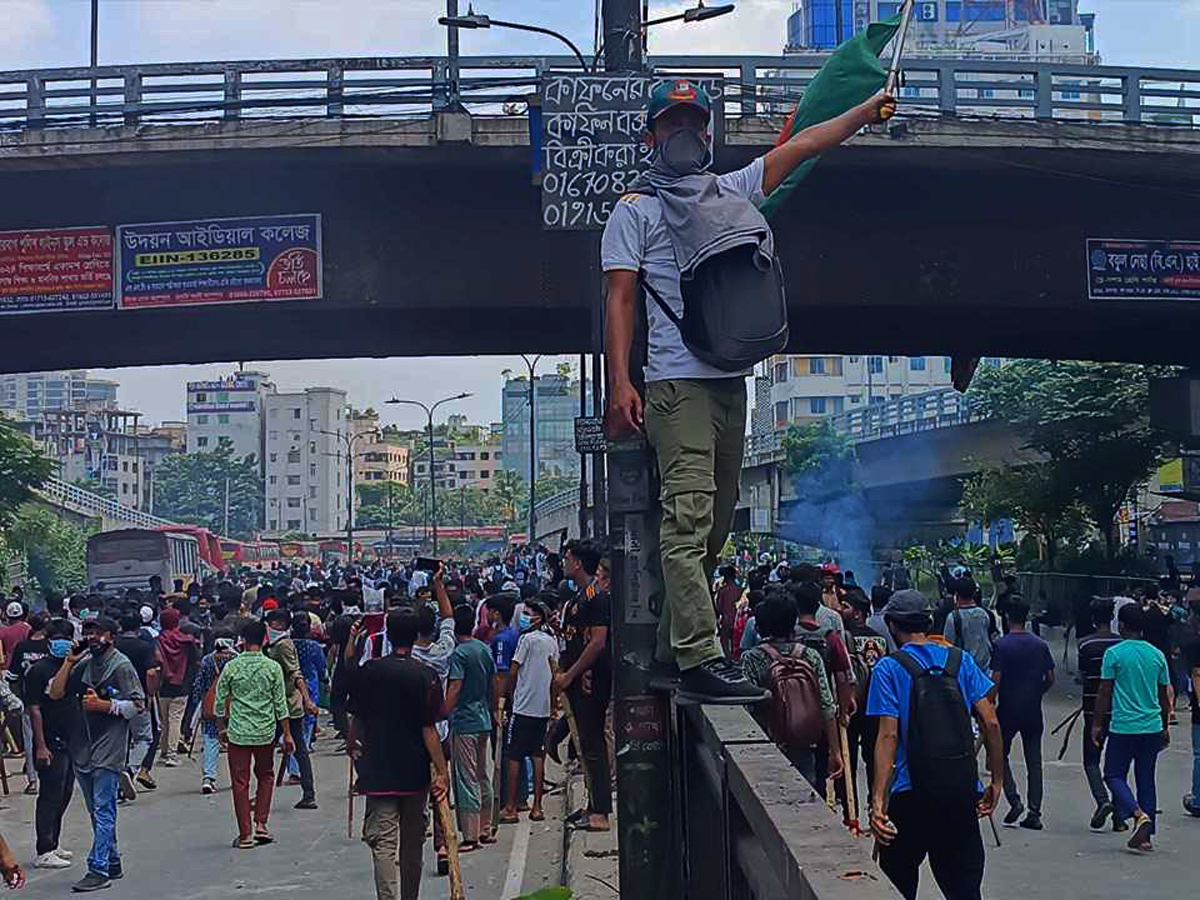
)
(1133, 706)
(281, 649)
(251, 704)
(469, 708)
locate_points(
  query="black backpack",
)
(940, 742)
(734, 311)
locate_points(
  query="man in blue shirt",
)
(909, 824)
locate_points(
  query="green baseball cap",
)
(677, 92)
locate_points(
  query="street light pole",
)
(94, 60)
(429, 410)
(532, 448)
(348, 439)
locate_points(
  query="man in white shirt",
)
(695, 413)
(530, 676)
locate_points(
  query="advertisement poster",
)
(1134, 269)
(56, 270)
(217, 261)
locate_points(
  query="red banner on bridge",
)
(56, 270)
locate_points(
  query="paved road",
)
(1067, 860)
(175, 844)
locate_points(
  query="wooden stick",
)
(573, 727)
(498, 768)
(848, 781)
(450, 830)
(350, 801)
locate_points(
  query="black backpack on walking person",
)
(940, 742)
(734, 309)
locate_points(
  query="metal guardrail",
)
(751, 826)
(927, 411)
(86, 502)
(397, 87)
(555, 503)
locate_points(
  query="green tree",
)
(55, 549)
(22, 470)
(510, 492)
(191, 488)
(819, 454)
(1089, 420)
(1035, 496)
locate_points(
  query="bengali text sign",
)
(217, 261)
(56, 270)
(1132, 269)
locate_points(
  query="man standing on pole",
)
(694, 413)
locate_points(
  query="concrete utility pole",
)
(621, 35)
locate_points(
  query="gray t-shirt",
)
(976, 637)
(636, 238)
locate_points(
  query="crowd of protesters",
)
(438, 675)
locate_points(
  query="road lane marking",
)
(516, 861)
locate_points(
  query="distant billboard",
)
(218, 261)
(56, 270)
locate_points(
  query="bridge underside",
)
(956, 237)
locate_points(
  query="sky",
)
(50, 33)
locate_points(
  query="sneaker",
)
(1190, 806)
(1100, 817)
(1142, 826)
(1033, 822)
(208, 787)
(63, 854)
(127, 791)
(306, 803)
(719, 681)
(51, 860)
(181, 748)
(664, 676)
(31, 789)
(170, 763)
(1119, 825)
(1014, 815)
(91, 882)
(115, 872)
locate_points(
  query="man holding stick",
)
(395, 703)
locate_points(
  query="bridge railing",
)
(926, 411)
(84, 501)
(407, 87)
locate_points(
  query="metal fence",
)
(399, 87)
(88, 503)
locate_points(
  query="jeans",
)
(1196, 760)
(212, 754)
(1031, 746)
(310, 724)
(308, 788)
(31, 773)
(240, 757)
(99, 788)
(947, 833)
(1091, 763)
(56, 784)
(1142, 750)
(697, 428)
(141, 738)
(394, 829)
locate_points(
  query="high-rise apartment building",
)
(556, 404)
(229, 409)
(29, 395)
(154, 445)
(307, 483)
(96, 448)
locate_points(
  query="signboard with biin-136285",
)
(206, 262)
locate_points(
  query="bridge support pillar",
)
(454, 127)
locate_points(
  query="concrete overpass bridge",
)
(959, 228)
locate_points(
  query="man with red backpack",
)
(927, 799)
(801, 713)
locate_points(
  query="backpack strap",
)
(953, 662)
(958, 628)
(908, 663)
(773, 654)
(657, 298)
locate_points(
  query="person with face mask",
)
(105, 685)
(281, 649)
(694, 412)
(52, 721)
(530, 676)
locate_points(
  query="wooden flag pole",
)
(450, 830)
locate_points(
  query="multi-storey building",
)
(229, 409)
(96, 448)
(29, 395)
(154, 445)
(477, 462)
(307, 482)
(556, 406)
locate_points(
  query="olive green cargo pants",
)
(698, 429)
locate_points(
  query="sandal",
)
(577, 816)
(243, 843)
(262, 836)
(488, 838)
(468, 847)
(443, 864)
(509, 820)
(536, 815)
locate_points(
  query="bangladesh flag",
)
(851, 75)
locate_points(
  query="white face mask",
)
(273, 635)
